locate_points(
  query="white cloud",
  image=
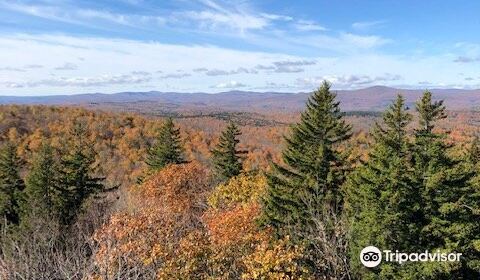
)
(276, 17)
(97, 81)
(236, 21)
(176, 76)
(308, 25)
(366, 25)
(295, 63)
(113, 65)
(239, 70)
(230, 85)
(349, 81)
(86, 17)
(364, 42)
(237, 17)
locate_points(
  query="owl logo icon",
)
(370, 256)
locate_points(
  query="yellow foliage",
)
(242, 189)
(276, 261)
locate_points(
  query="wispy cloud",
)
(367, 25)
(239, 70)
(97, 81)
(229, 85)
(141, 61)
(235, 21)
(74, 15)
(349, 81)
(308, 25)
(276, 17)
(240, 20)
(238, 16)
(176, 76)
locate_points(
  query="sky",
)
(68, 47)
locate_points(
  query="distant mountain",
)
(368, 99)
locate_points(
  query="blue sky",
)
(66, 47)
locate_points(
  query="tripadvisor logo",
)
(371, 256)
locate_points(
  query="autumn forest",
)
(107, 193)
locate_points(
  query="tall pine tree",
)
(226, 157)
(314, 169)
(448, 190)
(11, 184)
(77, 179)
(430, 158)
(167, 148)
(43, 184)
(381, 201)
(465, 215)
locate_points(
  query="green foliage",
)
(43, 184)
(314, 167)
(464, 227)
(11, 184)
(381, 200)
(167, 149)
(414, 196)
(77, 181)
(226, 157)
(448, 194)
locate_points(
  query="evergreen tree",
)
(43, 184)
(226, 157)
(77, 182)
(167, 148)
(381, 201)
(314, 169)
(429, 157)
(436, 173)
(413, 197)
(11, 184)
(449, 193)
(460, 216)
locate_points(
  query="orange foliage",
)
(235, 225)
(163, 211)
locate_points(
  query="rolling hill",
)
(368, 99)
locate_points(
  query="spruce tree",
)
(413, 197)
(227, 158)
(43, 184)
(448, 188)
(435, 172)
(11, 184)
(314, 169)
(460, 216)
(77, 180)
(382, 201)
(167, 148)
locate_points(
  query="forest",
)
(108, 194)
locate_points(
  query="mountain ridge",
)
(373, 98)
